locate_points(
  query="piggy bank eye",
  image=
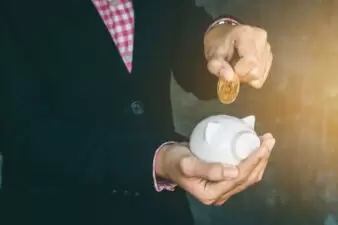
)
(210, 131)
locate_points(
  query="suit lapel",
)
(151, 33)
(100, 34)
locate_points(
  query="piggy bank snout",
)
(244, 144)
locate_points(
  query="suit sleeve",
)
(52, 150)
(189, 65)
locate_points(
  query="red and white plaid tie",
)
(118, 17)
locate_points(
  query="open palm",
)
(214, 183)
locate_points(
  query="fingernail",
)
(226, 74)
(268, 135)
(230, 171)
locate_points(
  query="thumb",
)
(193, 167)
(221, 68)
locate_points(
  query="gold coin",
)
(227, 91)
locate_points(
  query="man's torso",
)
(83, 81)
(83, 78)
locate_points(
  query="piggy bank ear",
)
(250, 121)
(210, 131)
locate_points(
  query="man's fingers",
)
(193, 167)
(265, 68)
(253, 49)
(268, 61)
(229, 194)
(244, 184)
(221, 202)
(249, 55)
(249, 164)
(262, 169)
(265, 136)
(217, 175)
(256, 175)
(221, 68)
(246, 168)
(268, 142)
(245, 68)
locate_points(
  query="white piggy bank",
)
(224, 139)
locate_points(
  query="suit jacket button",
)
(137, 107)
(126, 193)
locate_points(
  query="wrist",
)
(214, 36)
(223, 21)
(160, 162)
(167, 156)
(218, 30)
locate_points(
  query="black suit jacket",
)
(66, 117)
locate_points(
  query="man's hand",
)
(213, 183)
(240, 49)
